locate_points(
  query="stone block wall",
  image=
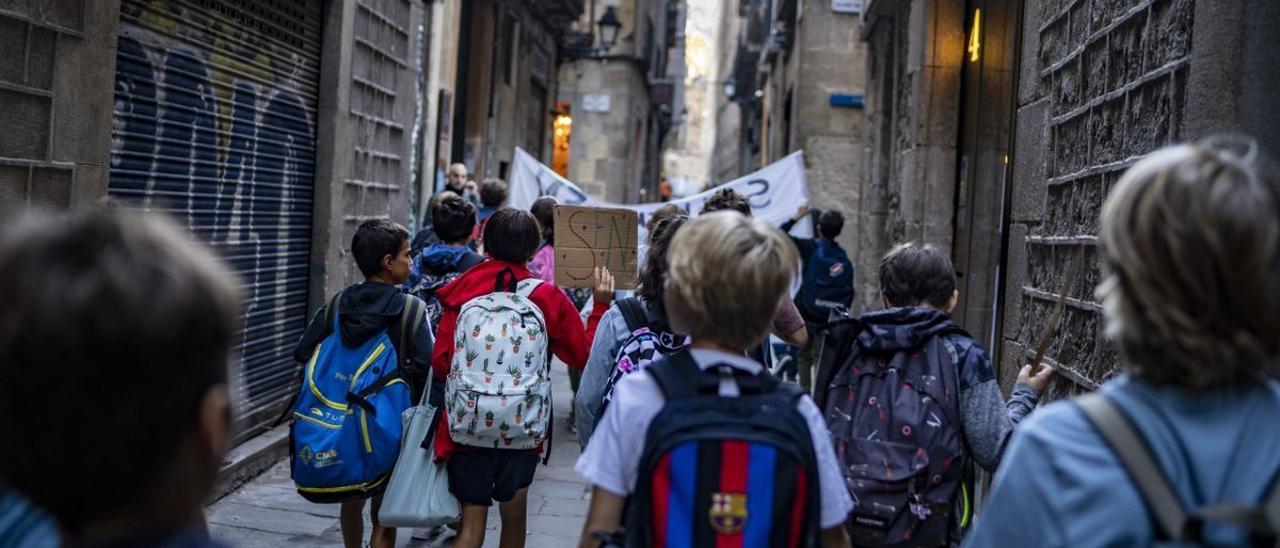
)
(832, 60)
(606, 147)
(370, 67)
(1102, 83)
(56, 76)
(909, 165)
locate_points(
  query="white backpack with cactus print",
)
(499, 389)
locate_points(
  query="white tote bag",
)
(418, 493)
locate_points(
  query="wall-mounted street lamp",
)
(583, 45)
(609, 25)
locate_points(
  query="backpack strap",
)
(1175, 523)
(331, 311)
(526, 287)
(410, 320)
(678, 376)
(1134, 454)
(634, 313)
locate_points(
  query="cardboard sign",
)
(587, 237)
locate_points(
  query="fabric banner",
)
(775, 192)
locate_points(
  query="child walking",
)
(705, 447)
(365, 310)
(501, 325)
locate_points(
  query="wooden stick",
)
(1051, 327)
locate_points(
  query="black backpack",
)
(895, 423)
(716, 467)
(1173, 521)
(827, 283)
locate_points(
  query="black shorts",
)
(480, 476)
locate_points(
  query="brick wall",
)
(1102, 83)
(55, 101)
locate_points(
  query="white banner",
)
(775, 192)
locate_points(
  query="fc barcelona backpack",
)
(724, 471)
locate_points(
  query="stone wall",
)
(56, 75)
(909, 168)
(369, 72)
(832, 60)
(607, 146)
(727, 152)
(1103, 82)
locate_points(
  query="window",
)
(510, 45)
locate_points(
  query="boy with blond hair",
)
(1182, 447)
(730, 453)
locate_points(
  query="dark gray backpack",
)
(895, 422)
(1172, 521)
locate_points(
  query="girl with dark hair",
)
(619, 333)
(543, 263)
(478, 474)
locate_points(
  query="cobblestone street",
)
(269, 513)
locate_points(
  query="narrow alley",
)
(269, 513)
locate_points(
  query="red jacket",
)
(565, 332)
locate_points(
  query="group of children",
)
(687, 439)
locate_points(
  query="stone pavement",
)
(268, 513)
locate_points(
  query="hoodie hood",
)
(366, 309)
(899, 329)
(479, 280)
(440, 259)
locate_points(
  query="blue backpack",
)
(346, 428)
(827, 285)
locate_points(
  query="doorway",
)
(987, 103)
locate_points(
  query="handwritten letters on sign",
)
(587, 237)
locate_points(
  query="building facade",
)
(271, 129)
(506, 93)
(995, 129)
(687, 161)
(796, 83)
(621, 98)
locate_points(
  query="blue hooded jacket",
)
(437, 261)
(1061, 485)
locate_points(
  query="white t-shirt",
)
(611, 459)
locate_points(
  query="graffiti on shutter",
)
(214, 123)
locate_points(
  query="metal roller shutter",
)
(214, 122)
